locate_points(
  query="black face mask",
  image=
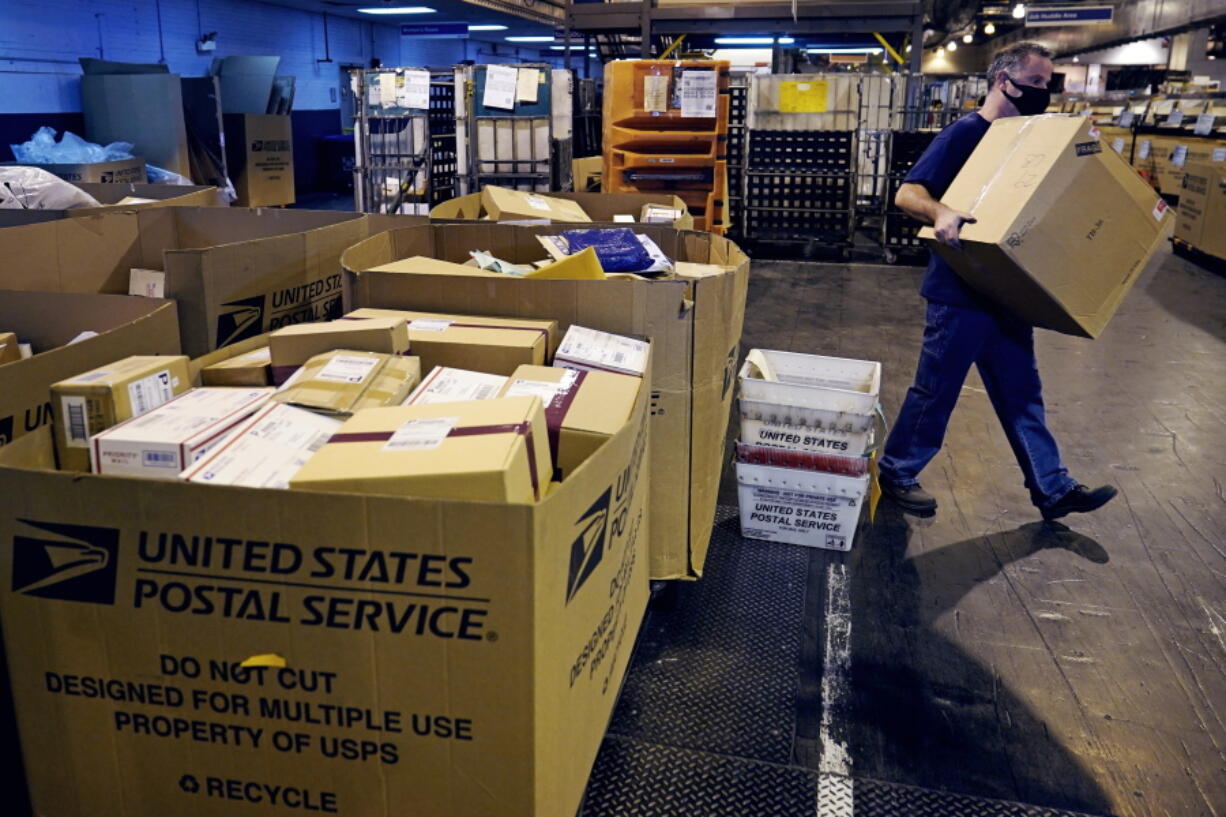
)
(1032, 100)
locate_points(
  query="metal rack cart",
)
(526, 147)
(899, 232)
(588, 129)
(404, 156)
(800, 182)
(738, 92)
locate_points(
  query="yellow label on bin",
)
(803, 97)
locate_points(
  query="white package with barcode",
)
(586, 349)
(163, 442)
(447, 385)
(150, 392)
(266, 450)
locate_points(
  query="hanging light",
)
(989, 29)
(968, 38)
(953, 46)
(1076, 59)
(1019, 11)
(908, 48)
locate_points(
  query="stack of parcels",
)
(492, 420)
(472, 433)
(806, 450)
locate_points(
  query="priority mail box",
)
(90, 402)
(1201, 220)
(582, 409)
(447, 385)
(485, 692)
(504, 204)
(345, 381)
(599, 207)
(694, 324)
(48, 321)
(485, 450)
(293, 346)
(1063, 226)
(266, 450)
(491, 344)
(161, 443)
(260, 158)
(248, 369)
(591, 350)
(234, 273)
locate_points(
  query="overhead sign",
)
(1037, 16)
(434, 31)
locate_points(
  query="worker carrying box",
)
(1032, 223)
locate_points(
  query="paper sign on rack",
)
(699, 93)
(655, 93)
(500, 83)
(387, 89)
(416, 91)
(527, 84)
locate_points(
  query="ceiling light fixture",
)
(544, 38)
(858, 50)
(952, 46)
(398, 10)
(968, 38)
(989, 29)
(752, 40)
(1019, 11)
(487, 28)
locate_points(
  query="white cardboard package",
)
(266, 450)
(163, 442)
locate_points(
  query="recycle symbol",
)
(189, 784)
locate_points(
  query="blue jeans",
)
(1003, 349)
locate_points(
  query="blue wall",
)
(40, 41)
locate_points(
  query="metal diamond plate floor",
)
(718, 703)
(719, 673)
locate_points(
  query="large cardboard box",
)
(1201, 219)
(260, 158)
(48, 320)
(599, 207)
(235, 273)
(130, 171)
(694, 325)
(1064, 227)
(402, 656)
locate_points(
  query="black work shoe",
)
(911, 498)
(1080, 500)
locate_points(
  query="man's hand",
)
(948, 224)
